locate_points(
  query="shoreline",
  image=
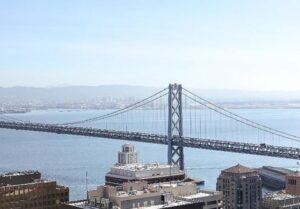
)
(72, 109)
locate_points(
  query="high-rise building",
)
(26, 190)
(241, 187)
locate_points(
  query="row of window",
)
(292, 181)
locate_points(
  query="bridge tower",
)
(175, 130)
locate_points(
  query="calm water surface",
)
(67, 158)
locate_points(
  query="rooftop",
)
(278, 170)
(279, 195)
(294, 174)
(172, 184)
(200, 194)
(238, 169)
(81, 204)
(197, 195)
(172, 204)
(142, 167)
(19, 173)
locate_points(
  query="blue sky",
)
(248, 45)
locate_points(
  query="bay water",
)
(66, 159)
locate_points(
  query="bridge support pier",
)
(175, 130)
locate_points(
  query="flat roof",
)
(197, 195)
(20, 173)
(172, 204)
(280, 195)
(172, 184)
(142, 167)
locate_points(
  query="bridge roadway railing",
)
(228, 146)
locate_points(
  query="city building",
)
(27, 190)
(129, 195)
(292, 183)
(177, 195)
(281, 200)
(131, 185)
(273, 177)
(128, 169)
(285, 199)
(241, 187)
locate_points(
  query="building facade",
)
(241, 187)
(281, 200)
(31, 193)
(285, 199)
(132, 195)
(127, 169)
(292, 183)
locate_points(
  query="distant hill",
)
(69, 94)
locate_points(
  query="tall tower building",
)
(241, 187)
(127, 155)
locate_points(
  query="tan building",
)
(292, 183)
(241, 187)
(33, 193)
(129, 195)
(140, 194)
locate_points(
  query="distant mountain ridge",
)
(69, 94)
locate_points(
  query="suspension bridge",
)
(165, 116)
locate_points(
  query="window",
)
(292, 181)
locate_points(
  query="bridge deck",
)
(228, 146)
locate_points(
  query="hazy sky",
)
(207, 44)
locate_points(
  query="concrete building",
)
(128, 169)
(281, 200)
(152, 173)
(26, 190)
(127, 155)
(241, 187)
(288, 198)
(131, 195)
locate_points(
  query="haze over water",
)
(67, 158)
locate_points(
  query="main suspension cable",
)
(241, 121)
(120, 111)
(243, 118)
